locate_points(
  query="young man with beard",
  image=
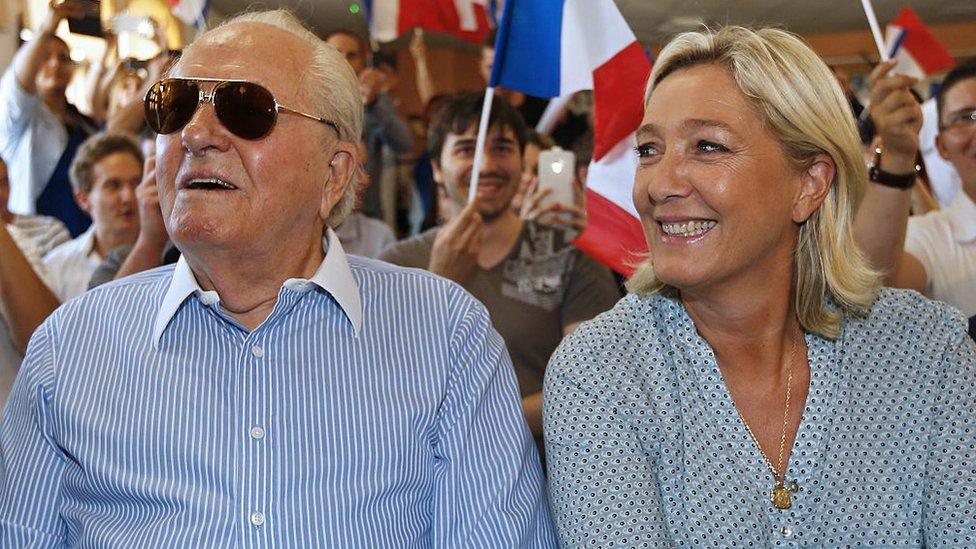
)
(536, 285)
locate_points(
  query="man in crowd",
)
(535, 284)
(104, 176)
(384, 129)
(267, 390)
(938, 254)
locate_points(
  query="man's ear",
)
(83, 201)
(815, 182)
(342, 173)
(438, 175)
(940, 145)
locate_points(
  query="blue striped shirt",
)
(375, 407)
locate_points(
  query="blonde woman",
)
(758, 386)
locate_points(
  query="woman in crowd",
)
(39, 130)
(758, 386)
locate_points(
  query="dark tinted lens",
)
(170, 104)
(246, 109)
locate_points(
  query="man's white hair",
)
(331, 86)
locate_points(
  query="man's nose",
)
(204, 132)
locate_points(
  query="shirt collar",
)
(86, 242)
(333, 276)
(963, 218)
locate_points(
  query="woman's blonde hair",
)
(801, 103)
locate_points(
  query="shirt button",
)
(257, 433)
(257, 518)
(786, 531)
(257, 351)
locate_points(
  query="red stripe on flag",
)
(618, 97)
(613, 236)
(925, 48)
(442, 16)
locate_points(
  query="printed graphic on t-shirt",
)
(536, 276)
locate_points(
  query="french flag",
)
(918, 53)
(469, 20)
(191, 12)
(550, 48)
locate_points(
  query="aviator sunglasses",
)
(246, 109)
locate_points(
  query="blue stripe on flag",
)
(528, 47)
(902, 33)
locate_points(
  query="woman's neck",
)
(749, 326)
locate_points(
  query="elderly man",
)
(266, 391)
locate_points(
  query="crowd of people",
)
(211, 333)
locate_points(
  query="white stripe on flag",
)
(613, 175)
(906, 63)
(385, 24)
(189, 11)
(593, 32)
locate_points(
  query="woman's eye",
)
(711, 146)
(645, 150)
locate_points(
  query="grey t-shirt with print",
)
(544, 284)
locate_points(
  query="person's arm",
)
(489, 488)
(33, 463)
(601, 478)
(31, 57)
(425, 81)
(147, 253)
(532, 409)
(948, 515)
(100, 78)
(130, 117)
(381, 117)
(25, 300)
(882, 217)
(454, 254)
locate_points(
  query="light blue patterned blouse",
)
(645, 447)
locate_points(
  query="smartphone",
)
(557, 168)
(90, 23)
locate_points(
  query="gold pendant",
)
(782, 497)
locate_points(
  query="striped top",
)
(375, 407)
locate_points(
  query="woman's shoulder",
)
(904, 332)
(626, 334)
(908, 315)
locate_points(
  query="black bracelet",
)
(897, 181)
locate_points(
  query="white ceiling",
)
(654, 20)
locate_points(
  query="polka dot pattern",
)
(645, 447)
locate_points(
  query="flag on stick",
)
(549, 48)
(469, 20)
(917, 51)
(191, 12)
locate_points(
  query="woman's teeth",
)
(690, 228)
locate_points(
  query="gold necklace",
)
(781, 495)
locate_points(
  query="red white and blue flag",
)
(469, 20)
(917, 51)
(550, 48)
(191, 12)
